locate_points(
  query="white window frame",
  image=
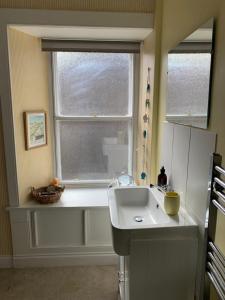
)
(131, 118)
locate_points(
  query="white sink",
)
(138, 212)
(133, 208)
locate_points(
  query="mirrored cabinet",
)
(189, 78)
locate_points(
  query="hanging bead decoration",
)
(146, 118)
(147, 103)
(143, 175)
(145, 134)
(146, 121)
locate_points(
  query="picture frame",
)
(35, 129)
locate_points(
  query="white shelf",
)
(73, 198)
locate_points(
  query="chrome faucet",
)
(164, 188)
(122, 180)
(125, 180)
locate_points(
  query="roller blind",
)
(90, 46)
(193, 47)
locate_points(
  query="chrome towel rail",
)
(216, 285)
(219, 206)
(220, 195)
(217, 275)
(220, 170)
(215, 258)
(216, 269)
(219, 267)
(220, 182)
(218, 253)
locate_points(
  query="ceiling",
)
(138, 6)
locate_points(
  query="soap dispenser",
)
(162, 178)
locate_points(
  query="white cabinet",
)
(159, 269)
(54, 236)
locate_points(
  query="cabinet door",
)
(57, 228)
(98, 227)
(163, 269)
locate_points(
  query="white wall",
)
(186, 154)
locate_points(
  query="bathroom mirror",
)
(189, 78)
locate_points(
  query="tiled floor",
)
(63, 283)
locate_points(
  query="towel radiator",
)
(215, 262)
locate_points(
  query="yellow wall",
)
(5, 232)
(29, 70)
(146, 61)
(150, 57)
(180, 18)
(93, 5)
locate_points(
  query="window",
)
(93, 115)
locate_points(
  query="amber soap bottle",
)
(162, 178)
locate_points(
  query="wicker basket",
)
(47, 194)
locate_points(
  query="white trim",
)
(55, 85)
(86, 183)
(57, 158)
(131, 112)
(85, 226)
(50, 260)
(186, 116)
(189, 120)
(33, 228)
(136, 87)
(93, 118)
(51, 111)
(6, 262)
(86, 33)
(55, 111)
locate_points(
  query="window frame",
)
(131, 119)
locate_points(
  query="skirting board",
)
(6, 261)
(22, 261)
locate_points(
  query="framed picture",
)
(35, 129)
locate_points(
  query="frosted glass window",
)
(93, 150)
(93, 115)
(188, 84)
(93, 83)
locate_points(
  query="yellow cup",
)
(171, 203)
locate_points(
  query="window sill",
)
(74, 198)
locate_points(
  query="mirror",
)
(189, 78)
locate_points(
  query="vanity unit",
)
(158, 253)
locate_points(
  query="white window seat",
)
(73, 198)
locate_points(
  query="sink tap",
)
(125, 180)
(163, 188)
(122, 180)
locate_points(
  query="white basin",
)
(138, 212)
(133, 208)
